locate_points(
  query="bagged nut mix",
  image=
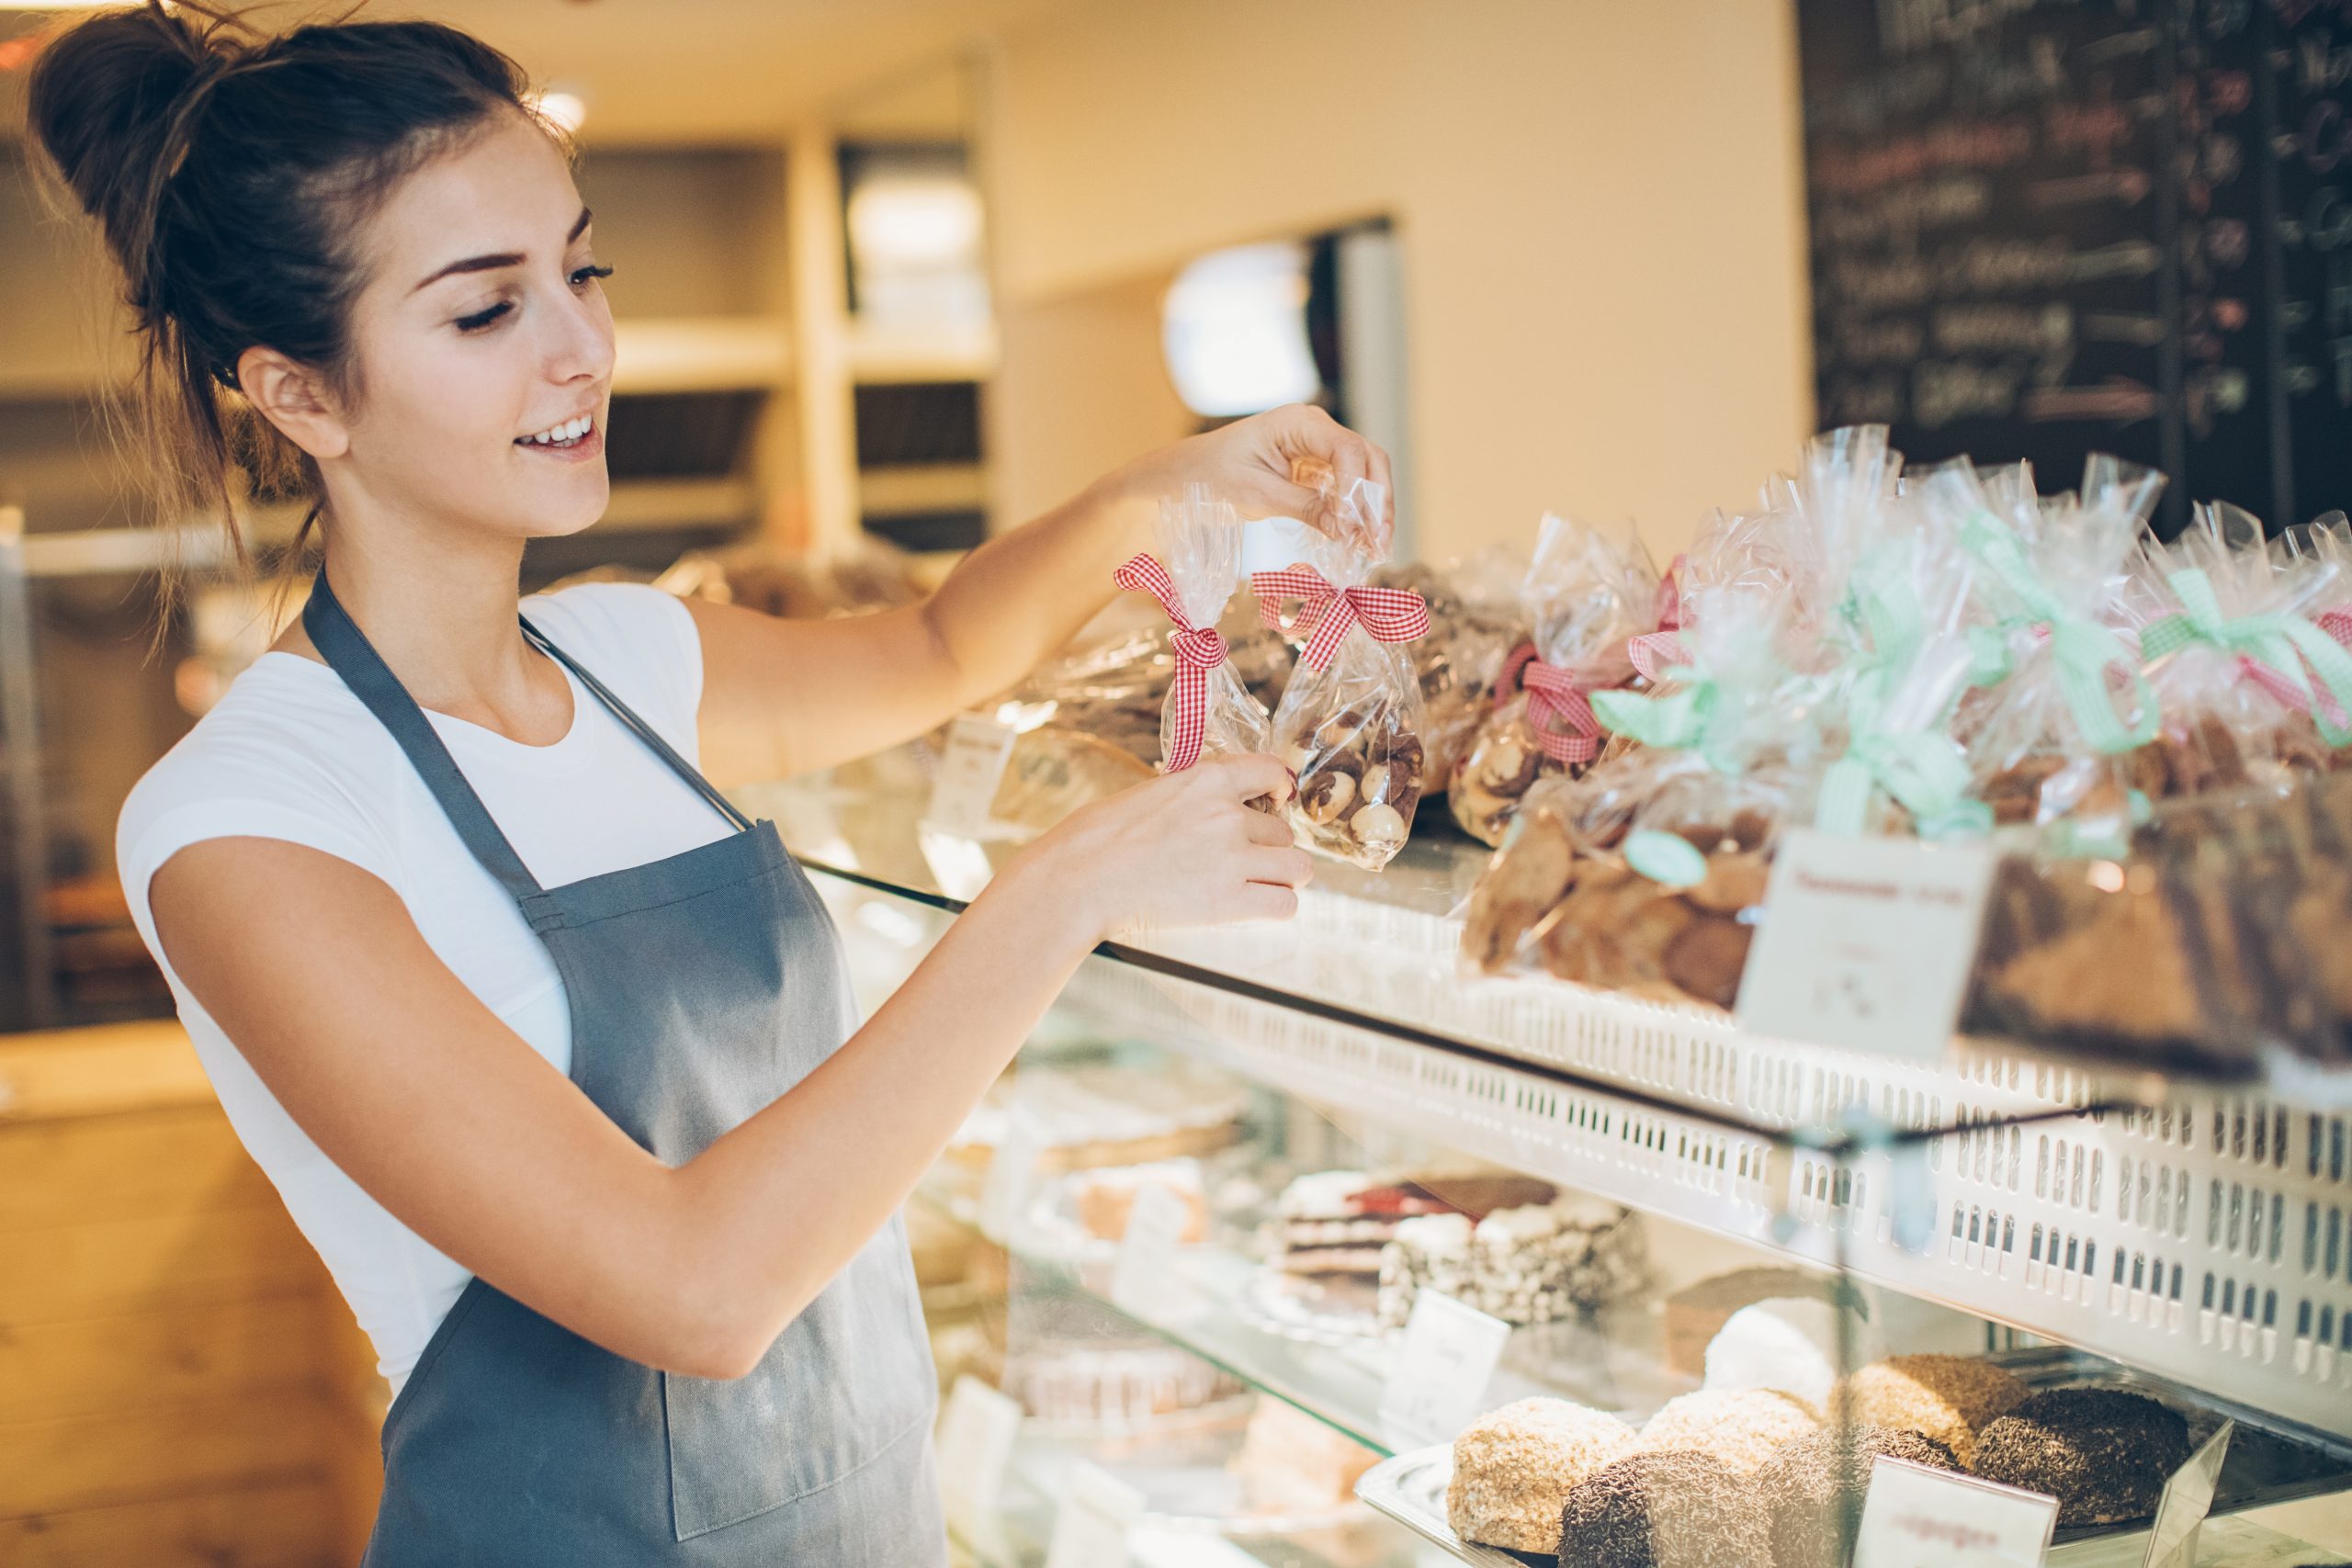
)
(1457, 663)
(1349, 724)
(1209, 712)
(1588, 595)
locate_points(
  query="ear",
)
(295, 399)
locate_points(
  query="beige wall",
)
(1599, 202)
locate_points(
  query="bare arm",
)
(448, 1119)
(784, 697)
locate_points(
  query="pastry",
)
(1498, 767)
(1531, 1264)
(1792, 1343)
(1291, 1464)
(1513, 1470)
(1743, 1427)
(1697, 1313)
(1336, 1222)
(1519, 888)
(1664, 1510)
(1949, 1398)
(2103, 1453)
(1105, 1199)
(1091, 1115)
(1812, 1490)
(1112, 1383)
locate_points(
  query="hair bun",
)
(109, 99)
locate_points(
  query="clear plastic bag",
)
(1208, 711)
(1588, 595)
(1350, 721)
(1471, 634)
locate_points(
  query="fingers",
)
(1265, 828)
(1245, 778)
(1286, 865)
(1261, 901)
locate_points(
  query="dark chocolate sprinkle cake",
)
(2103, 1453)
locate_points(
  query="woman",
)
(546, 1048)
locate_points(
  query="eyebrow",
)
(502, 258)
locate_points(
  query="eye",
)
(582, 276)
(481, 319)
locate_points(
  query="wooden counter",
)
(179, 1383)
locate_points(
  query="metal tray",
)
(2265, 1465)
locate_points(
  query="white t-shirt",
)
(290, 753)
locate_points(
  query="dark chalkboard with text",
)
(2047, 228)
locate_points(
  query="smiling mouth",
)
(561, 437)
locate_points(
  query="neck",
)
(443, 619)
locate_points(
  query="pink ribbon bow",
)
(1652, 653)
(1558, 711)
(2337, 622)
(1199, 649)
(1324, 613)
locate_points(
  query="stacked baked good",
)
(1529, 1264)
(1332, 1226)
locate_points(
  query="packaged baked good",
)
(2061, 704)
(1208, 713)
(1588, 594)
(1349, 724)
(1471, 635)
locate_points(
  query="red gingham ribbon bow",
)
(1199, 649)
(1652, 653)
(2291, 695)
(1557, 709)
(2336, 623)
(1324, 613)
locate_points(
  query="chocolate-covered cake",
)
(1664, 1510)
(1812, 1489)
(1949, 1398)
(2103, 1453)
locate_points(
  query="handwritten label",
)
(2187, 1499)
(1439, 1380)
(971, 768)
(1012, 1170)
(1914, 1517)
(1091, 1527)
(1866, 943)
(976, 1435)
(1141, 1278)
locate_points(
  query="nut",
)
(1378, 826)
(1326, 796)
(1376, 782)
(1504, 764)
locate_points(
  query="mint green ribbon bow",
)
(2288, 646)
(1922, 770)
(2083, 648)
(1694, 714)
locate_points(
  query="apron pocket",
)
(846, 1379)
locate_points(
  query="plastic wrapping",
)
(1587, 594)
(1208, 711)
(1350, 721)
(1471, 634)
(1116, 688)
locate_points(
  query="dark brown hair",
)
(231, 171)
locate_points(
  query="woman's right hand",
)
(1182, 849)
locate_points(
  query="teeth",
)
(569, 430)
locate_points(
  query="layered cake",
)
(1664, 1510)
(1513, 1470)
(1949, 1398)
(2103, 1453)
(1523, 1264)
(1812, 1490)
(1697, 1313)
(1742, 1428)
(1334, 1224)
(1791, 1343)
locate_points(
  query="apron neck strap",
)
(639, 727)
(350, 655)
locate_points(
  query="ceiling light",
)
(567, 109)
(902, 223)
(1234, 331)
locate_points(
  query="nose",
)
(580, 346)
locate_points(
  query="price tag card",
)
(1914, 1517)
(1440, 1380)
(1091, 1527)
(2187, 1499)
(1866, 943)
(969, 771)
(976, 1434)
(1011, 1169)
(1143, 1280)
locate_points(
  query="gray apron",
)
(702, 987)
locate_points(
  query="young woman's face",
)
(482, 345)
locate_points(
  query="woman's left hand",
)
(1293, 461)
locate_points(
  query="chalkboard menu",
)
(2047, 228)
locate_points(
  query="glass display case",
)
(1310, 1126)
